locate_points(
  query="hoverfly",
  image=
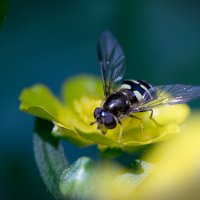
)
(132, 96)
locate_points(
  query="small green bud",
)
(76, 182)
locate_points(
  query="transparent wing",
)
(169, 95)
(112, 61)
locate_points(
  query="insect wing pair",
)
(112, 67)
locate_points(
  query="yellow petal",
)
(177, 165)
(82, 85)
(39, 101)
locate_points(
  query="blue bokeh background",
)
(48, 41)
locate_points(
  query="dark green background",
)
(48, 41)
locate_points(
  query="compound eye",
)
(97, 112)
(109, 121)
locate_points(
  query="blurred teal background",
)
(48, 41)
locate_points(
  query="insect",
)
(132, 96)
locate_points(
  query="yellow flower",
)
(170, 170)
(72, 116)
(177, 162)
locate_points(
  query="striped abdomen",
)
(139, 91)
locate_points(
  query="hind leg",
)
(141, 125)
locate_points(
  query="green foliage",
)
(3, 10)
(81, 179)
(110, 152)
(77, 181)
(49, 156)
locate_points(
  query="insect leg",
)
(120, 132)
(151, 117)
(92, 123)
(141, 124)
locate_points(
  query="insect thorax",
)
(117, 103)
(137, 91)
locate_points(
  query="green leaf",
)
(3, 10)
(110, 152)
(78, 181)
(79, 86)
(49, 156)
